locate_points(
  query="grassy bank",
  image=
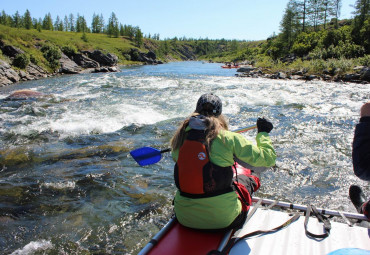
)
(30, 41)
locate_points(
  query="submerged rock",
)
(25, 94)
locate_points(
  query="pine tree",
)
(362, 11)
(138, 37)
(113, 29)
(289, 25)
(81, 25)
(121, 30)
(34, 23)
(4, 18)
(58, 25)
(66, 24)
(336, 7)
(361, 21)
(95, 24)
(71, 23)
(78, 23)
(27, 20)
(47, 23)
(17, 21)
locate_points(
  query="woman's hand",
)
(263, 125)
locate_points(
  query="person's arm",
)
(256, 157)
(361, 145)
(252, 156)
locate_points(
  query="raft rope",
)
(235, 240)
(321, 218)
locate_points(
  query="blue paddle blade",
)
(146, 155)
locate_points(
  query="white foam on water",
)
(156, 83)
(110, 119)
(33, 247)
(60, 185)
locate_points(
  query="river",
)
(69, 186)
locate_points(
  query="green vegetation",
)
(32, 41)
(312, 38)
(21, 61)
(52, 54)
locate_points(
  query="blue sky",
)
(215, 19)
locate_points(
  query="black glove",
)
(264, 125)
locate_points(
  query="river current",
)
(69, 186)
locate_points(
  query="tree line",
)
(313, 26)
(72, 23)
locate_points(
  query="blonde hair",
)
(213, 126)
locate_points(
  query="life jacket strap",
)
(213, 194)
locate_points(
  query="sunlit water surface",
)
(69, 186)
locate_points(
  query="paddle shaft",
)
(240, 130)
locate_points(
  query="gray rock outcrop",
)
(11, 51)
(85, 62)
(103, 59)
(7, 74)
(68, 66)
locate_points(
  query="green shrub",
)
(84, 37)
(350, 50)
(364, 61)
(342, 50)
(340, 66)
(21, 60)
(301, 49)
(317, 65)
(318, 53)
(127, 56)
(265, 62)
(69, 50)
(52, 54)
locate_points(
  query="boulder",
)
(113, 69)
(102, 69)
(148, 58)
(311, 77)
(85, 62)
(281, 75)
(11, 51)
(36, 71)
(68, 66)
(25, 94)
(245, 69)
(288, 58)
(103, 59)
(351, 77)
(151, 55)
(297, 77)
(7, 74)
(24, 76)
(365, 74)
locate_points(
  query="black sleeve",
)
(361, 149)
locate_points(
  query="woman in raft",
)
(209, 196)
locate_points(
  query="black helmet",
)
(209, 104)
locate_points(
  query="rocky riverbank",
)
(360, 74)
(75, 63)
